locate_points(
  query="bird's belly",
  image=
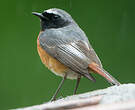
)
(54, 65)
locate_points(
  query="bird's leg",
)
(77, 84)
(59, 87)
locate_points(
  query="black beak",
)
(38, 15)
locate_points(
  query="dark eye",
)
(44, 13)
(55, 17)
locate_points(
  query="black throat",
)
(46, 24)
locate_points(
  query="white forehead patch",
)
(51, 11)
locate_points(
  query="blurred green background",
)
(24, 81)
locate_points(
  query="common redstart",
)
(64, 49)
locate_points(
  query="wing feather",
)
(72, 57)
(73, 51)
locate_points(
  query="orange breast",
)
(50, 62)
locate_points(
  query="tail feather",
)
(90, 77)
(103, 73)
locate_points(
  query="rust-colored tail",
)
(94, 67)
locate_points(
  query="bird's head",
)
(54, 18)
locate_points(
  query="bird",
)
(64, 49)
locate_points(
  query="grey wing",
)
(76, 54)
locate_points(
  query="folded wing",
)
(75, 54)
